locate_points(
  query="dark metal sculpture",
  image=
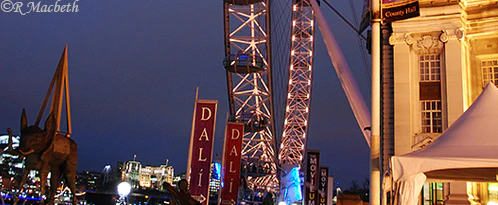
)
(180, 196)
(47, 151)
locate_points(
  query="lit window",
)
(430, 67)
(493, 192)
(433, 193)
(489, 71)
(431, 116)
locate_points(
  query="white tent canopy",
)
(467, 151)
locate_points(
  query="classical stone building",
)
(434, 67)
(154, 177)
(140, 176)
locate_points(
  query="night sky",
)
(133, 70)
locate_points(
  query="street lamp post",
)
(375, 140)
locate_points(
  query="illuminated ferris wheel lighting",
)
(248, 69)
(298, 92)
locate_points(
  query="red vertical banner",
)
(323, 186)
(312, 177)
(201, 149)
(232, 153)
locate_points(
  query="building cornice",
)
(428, 24)
(477, 3)
(453, 20)
(440, 28)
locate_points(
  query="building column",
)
(402, 96)
(454, 79)
(458, 194)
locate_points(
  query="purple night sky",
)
(133, 70)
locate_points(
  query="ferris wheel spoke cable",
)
(281, 47)
(345, 20)
(363, 51)
(368, 75)
(353, 11)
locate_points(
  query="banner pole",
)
(189, 161)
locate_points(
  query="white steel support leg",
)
(355, 98)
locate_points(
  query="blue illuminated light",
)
(293, 186)
(217, 170)
(243, 56)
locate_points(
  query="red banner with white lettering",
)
(231, 162)
(201, 149)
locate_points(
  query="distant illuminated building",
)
(10, 167)
(8, 162)
(214, 182)
(146, 176)
(131, 173)
(154, 177)
(170, 174)
(117, 173)
(177, 178)
(88, 181)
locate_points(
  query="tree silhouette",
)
(355, 189)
